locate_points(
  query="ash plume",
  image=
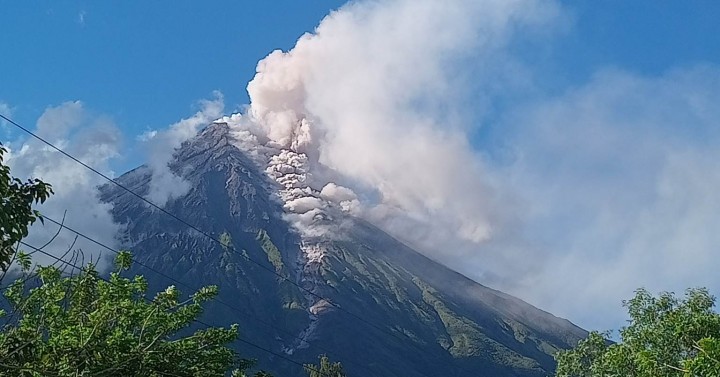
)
(366, 101)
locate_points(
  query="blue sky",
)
(596, 121)
(642, 36)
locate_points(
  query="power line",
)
(194, 320)
(227, 305)
(205, 234)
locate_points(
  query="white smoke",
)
(371, 94)
(162, 144)
(94, 140)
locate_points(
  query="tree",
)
(82, 325)
(16, 213)
(325, 368)
(666, 337)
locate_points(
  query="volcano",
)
(351, 291)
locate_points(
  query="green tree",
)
(666, 337)
(82, 325)
(324, 368)
(16, 213)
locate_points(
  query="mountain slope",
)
(392, 311)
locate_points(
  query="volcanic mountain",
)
(352, 291)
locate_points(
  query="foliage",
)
(324, 368)
(82, 325)
(16, 213)
(666, 337)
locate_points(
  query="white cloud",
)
(162, 144)
(620, 183)
(92, 139)
(373, 93)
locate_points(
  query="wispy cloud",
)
(81, 17)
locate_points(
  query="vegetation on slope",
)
(288, 292)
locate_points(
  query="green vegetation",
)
(324, 368)
(272, 252)
(82, 325)
(16, 214)
(666, 337)
(289, 293)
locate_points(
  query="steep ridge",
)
(417, 317)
